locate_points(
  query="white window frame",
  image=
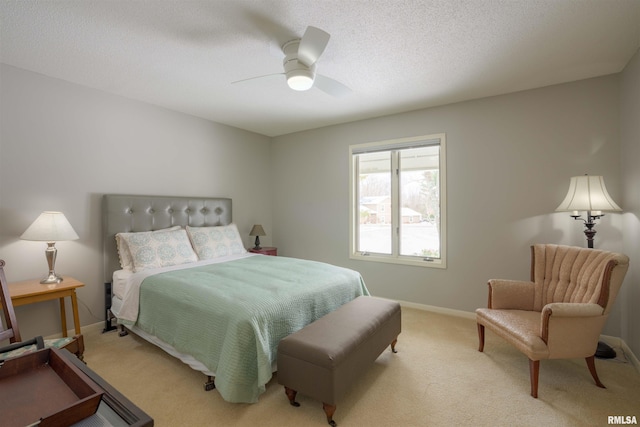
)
(354, 203)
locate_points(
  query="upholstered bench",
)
(324, 358)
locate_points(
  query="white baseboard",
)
(617, 342)
(441, 310)
(99, 326)
(85, 328)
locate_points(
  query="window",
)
(398, 201)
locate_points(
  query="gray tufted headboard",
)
(131, 213)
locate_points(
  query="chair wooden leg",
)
(480, 337)
(592, 368)
(534, 373)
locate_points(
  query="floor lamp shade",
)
(50, 227)
(588, 193)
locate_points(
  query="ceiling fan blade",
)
(265, 77)
(312, 44)
(331, 86)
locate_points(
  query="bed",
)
(179, 277)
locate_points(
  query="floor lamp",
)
(588, 193)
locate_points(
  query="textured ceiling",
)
(396, 55)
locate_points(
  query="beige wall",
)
(509, 160)
(62, 146)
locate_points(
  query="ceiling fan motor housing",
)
(299, 76)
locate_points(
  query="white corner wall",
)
(630, 161)
(62, 146)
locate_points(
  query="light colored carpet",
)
(437, 378)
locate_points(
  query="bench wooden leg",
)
(393, 345)
(291, 394)
(329, 410)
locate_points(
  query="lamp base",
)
(51, 279)
(51, 253)
(604, 351)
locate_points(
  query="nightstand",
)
(265, 250)
(32, 291)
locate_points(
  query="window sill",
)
(415, 261)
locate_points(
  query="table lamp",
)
(50, 227)
(257, 231)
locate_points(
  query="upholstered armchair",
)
(560, 313)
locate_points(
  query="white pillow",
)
(123, 251)
(215, 242)
(155, 249)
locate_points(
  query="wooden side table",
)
(265, 250)
(32, 291)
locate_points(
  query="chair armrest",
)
(571, 330)
(511, 294)
(572, 309)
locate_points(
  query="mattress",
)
(121, 279)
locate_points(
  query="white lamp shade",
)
(50, 227)
(588, 193)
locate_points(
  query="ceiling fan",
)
(300, 57)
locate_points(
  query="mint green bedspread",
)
(231, 316)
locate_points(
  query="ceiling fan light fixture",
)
(300, 79)
(299, 63)
(299, 75)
